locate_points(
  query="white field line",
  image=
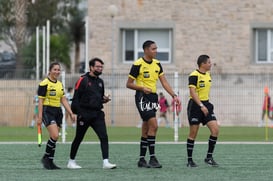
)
(160, 143)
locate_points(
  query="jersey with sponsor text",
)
(146, 73)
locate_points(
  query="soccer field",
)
(132, 134)
(242, 152)
(237, 162)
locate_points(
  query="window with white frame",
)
(263, 45)
(132, 40)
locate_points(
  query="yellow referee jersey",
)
(146, 73)
(51, 92)
(202, 83)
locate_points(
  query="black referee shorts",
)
(52, 115)
(195, 114)
(147, 105)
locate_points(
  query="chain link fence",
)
(237, 98)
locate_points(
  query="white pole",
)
(112, 72)
(37, 53)
(86, 43)
(44, 51)
(63, 110)
(113, 10)
(175, 111)
(48, 44)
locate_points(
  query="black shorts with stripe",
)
(52, 115)
(147, 105)
(195, 114)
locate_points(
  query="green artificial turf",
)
(238, 162)
(132, 134)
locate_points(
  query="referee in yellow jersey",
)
(51, 96)
(200, 110)
(142, 78)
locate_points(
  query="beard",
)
(96, 73)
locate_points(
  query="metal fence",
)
(237, 99)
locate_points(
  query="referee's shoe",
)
(153, 163)
(211, 162)
(142, 163)
(49, 164)
(191, 164)
(107, 165)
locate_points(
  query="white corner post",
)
(175, 110)
(44, 52)
(47, 44)
(64, 111)
(37, 54)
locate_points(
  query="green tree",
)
(19, 18)
(7, 23)
(69, 19)
(77, 32)
(59, 46)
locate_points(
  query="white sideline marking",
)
(160, 143)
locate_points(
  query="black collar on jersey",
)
(51, 80)
(201, 72)
(147, 61)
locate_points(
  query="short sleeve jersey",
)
(202, 83)
(146, 73)
(51, 92)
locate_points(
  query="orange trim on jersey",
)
(78, 83)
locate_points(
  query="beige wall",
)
(219, 28)
(16, 102)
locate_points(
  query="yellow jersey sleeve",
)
(51, 92)
(145, 73)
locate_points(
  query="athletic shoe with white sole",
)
(211, 162)
(108, 165)
(73, 165)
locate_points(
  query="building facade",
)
(238, 35)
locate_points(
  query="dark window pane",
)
(162, 56)
(262, 45)
(129, 45)
(129, 55)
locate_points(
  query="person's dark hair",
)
(94, 60)
(147, 44)
(53, 64)
(202, 59)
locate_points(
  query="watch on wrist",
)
(201, 105)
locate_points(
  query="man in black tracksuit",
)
(88, 103)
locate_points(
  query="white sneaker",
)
(107, 165)
(73, 165)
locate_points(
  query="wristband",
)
(201, 105)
